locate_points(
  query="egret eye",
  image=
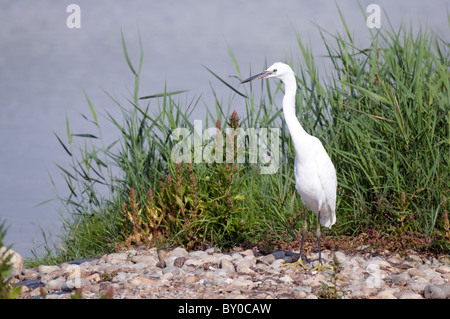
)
(275, 70)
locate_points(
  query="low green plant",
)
(7, 289)
(194, 206)
(331, 289)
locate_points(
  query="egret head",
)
(277, 70)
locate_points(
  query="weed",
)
(7, 289)
(331, 290)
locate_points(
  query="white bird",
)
(315, 175)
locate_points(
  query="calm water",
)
(44, 67)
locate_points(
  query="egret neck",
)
(295, 129)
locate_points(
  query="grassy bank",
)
(382, 113)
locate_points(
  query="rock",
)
(140, 280)
(376, 261)
(244, 267)
(247, 252)
(277, 264)
(242, 283)
(399, 280)
(170, 260)
(418, 284)
(395, 260)
(75, 283)
(227, 265)
(179, 262)
(437, 292)
(305, 289)
(267, 259)
(16, 260)
(149, 260)
(196, 254)
(94, 278)
(190, 280)
(286, 279)
(340, 256)
(43, 269)
(279, 254)
(116, 258)
(193, 262)
(238, 274)
(443, 269)
(416, 272)
(414, 258)
(162, 255)
(387, 294)
(54, 285)
(179, 252)
(407, 294)
(315, 281)
(30, 274)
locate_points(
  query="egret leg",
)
(299, 262)
(319, 265)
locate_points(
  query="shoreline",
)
(148, 273)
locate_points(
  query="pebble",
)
(177, 273)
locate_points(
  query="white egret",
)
(315, 175)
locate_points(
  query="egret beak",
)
(258, 76)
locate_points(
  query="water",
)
(44, 67)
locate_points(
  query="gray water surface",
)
(44, 67)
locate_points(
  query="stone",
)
(378, 261)
(400, 279)
(267, 259)
(140, 280)
(443, 269)
(170, 260)
(43, 269)
(414, 258)
(387, 294)
(162, 255)
(238, 274)
(416, 272)
(30, 274)
(116, 258)
(407, 294)
(179, 261)
(16, 260)
(286, 279)
(340, 256)
(418, 284)
(244, 267)
(279, 254)
(179, 252)
(276, 265)
(190, 280)
(94, 278)
(242, 283)
(395, 260)
(53, 285)
(146, 259)
(247, 252)
(75, 283)
(227, 265)
(193, 262)
(196, 254)
(437, 292)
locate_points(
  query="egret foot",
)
(320, 267)
(299, 262)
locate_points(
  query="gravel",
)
(244, 274)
